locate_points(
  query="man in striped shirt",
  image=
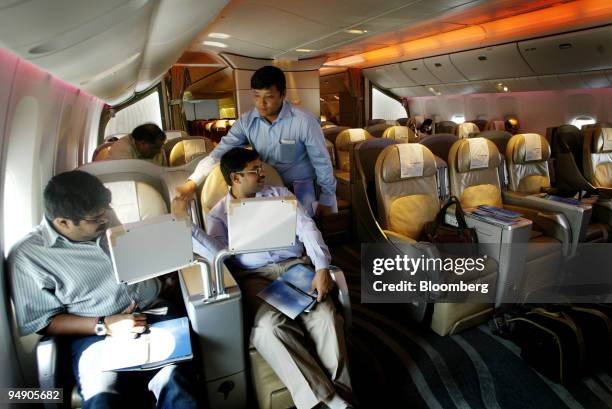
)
(62, 283)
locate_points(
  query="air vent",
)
(414, 68)
(565, 46)
(438, 64)
(482, 58)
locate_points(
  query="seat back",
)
(406, 188)
(439, 144)
(101, 152)
(344, 140)
(527, 158)
(480, 123)
(597, 157)
(402, 121)
(376, 121)
(215, 187)
(332, 152)
(445, 127)
(401, 134)
(184, 150)
(377, 129)
(567, 139)
(496, 126)
(474, 176)
(465, 129)
(332, 133)
(174, 134)
(499, 138)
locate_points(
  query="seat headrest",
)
(602, 140)
(351, 136)
(466, 128)
(405, 161)
(529, 148)
(402, 133)
(221, 124)
(475, 154)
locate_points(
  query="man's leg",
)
(326, 329)
(173, 387)
(99, 389)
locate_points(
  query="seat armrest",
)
(553, 224)
(47, 358)
(343, 294)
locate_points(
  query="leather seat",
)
(439, 144)
(480, 123)
(377, 129)
(465, 129)
(401, 134)
(446, 127)
(332, 133)
(342, 173)
(407, 199)
(597, 157)
(475, 181)
(183, 150)
(500, 139)
(101, 152)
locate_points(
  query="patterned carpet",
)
(398, 364)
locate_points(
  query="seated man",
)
(62, 283)
(145, 142)
(280, 340)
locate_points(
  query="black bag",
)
(596, 327)
(438, 231)
(551, 342)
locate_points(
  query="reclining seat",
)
(480, 123)
(527, 158)
(475, 181)
(445, 127)
(377, 129)
(439, 145)
(271, 393)
(401, 134)
(101, 152)
(465, 129)
(407, 196)
(500, 139)
(342, 173)
(183, 150)
(566, 147)
(597, 157)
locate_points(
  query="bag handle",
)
(459, 214)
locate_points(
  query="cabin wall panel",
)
(536, 110)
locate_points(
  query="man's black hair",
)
(235, 160)
(149, 133)
(269, 76)
(74, 195)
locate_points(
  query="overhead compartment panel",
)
(442, 68)
(502, 61)
(580, 51)
(417, 70)
(571, 81)
(595, 79)
(389, 76)
(412, 92)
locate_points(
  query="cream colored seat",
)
(475, 181)
(101, 152)
(445, 127)
(377, 129)
(342, 173)
(408, 199)
(184, 150)
(465, 129)
(401, 134)
(597, 157)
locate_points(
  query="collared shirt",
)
(293, 144)
(307, 233)
(51, 275)
(125, 148)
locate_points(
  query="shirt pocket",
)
(286, 151)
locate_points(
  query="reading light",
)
(222, 36)
(303, 50)
(356, 31)
(214, 44)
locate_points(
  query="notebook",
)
(290, 293)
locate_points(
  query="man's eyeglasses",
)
(99, 219)
(256, 170)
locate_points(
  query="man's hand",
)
(323, 283)
(186, 190)
(323, 210)
(180, 207)
(127, 324)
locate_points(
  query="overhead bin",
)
(579, 51)
(502, 61)
(389, 76)
(443, 69)
(571, 81)
(596, 79)
(418, 91)
(417, 70)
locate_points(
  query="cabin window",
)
(385, 107)
(458, 119)
(143, 111)
(580, 121)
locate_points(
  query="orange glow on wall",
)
(576, 15)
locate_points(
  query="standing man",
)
(62, 283)
(285, 137)
(145, 142)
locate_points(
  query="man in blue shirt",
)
(285, 137)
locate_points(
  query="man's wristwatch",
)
(100, 327)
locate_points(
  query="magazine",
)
(567, 200)
(164, 342)
(290, 293)
(500, 212)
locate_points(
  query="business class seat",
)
(465, 129)
(439, 144)
(528, 173)
(495, 125)
(480, 123)
(401, 134)
(332, 133)
(101, 152)
(407, 200)
(474, 179)
(184, 150)
(377, 129)
(500, 139)
(345, 139)
(402, 121)
(445, 127)
(597, 157)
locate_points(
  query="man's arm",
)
(319, 157)
(216, 227)
(235, 137)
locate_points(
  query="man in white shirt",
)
(279, 339)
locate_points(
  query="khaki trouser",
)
(282, 341)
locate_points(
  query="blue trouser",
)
(172, 385)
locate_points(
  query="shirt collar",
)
(50, 235)
(285, 112)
